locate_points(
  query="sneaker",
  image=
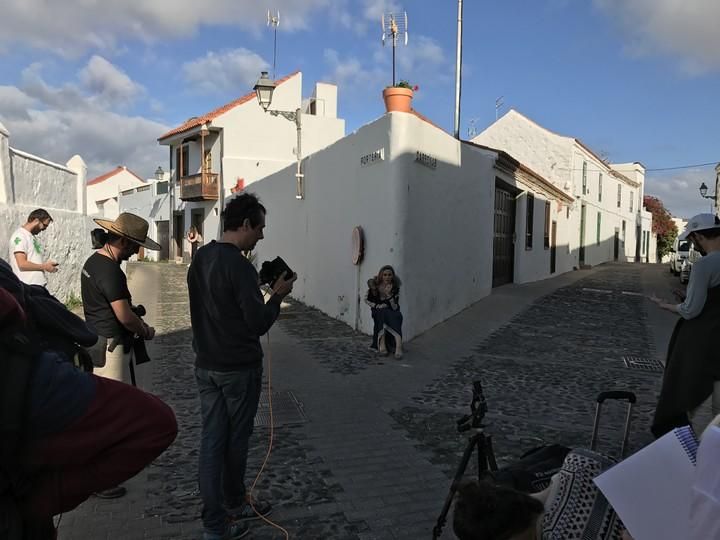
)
(246, 512)
(234, 531)
(112, 493)
(398, 354)
(372, 348)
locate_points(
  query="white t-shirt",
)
(24, 241)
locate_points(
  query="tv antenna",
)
(394, 26)
(498, 104)
(472, 128)
(274, 21)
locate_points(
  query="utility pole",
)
(458, 70)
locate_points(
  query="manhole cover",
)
(285, 407)
(643, 364)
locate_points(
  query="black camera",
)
(98, 237)
(478, 408)
(139, 310)
(270, 271)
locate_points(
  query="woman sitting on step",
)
(383, 297)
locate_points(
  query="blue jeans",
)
(228, 403)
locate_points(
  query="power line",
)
(679, 167)
(684, 166)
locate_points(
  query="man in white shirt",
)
(26, 251)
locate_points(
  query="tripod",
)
(477, 441)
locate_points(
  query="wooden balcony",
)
(199, 187)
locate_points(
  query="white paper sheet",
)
(650, 490)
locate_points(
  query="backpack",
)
(48, 325)
(533, 471)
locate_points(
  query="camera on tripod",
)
(478, 408)
(271, 271)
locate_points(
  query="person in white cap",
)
(692, 369)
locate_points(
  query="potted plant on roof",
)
(398, 97)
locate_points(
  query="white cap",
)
(701, 222)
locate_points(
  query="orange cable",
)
(270, 444)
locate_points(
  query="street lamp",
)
(159, 173)
(264, 89)
(703, 192)
(704, 195)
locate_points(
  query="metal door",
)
(617, 244)
(504, 237)
(163, 233)
(582, 235)
(553, 247)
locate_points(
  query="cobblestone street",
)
(364, 445)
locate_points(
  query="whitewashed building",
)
(103, 192)
(607, 216)
(28, 182)
(234, 145)
(443, 212)
(151, 201)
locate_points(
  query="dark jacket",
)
(691, 368)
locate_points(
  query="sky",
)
(635, 80)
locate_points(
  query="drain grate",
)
(642, 364)
(286, 410)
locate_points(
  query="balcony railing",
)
(199, 187)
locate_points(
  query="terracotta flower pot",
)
(397, 99)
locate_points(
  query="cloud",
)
(223, 72)
(73, 26)
(108, 82)
(686, 29)
(678, 190)
(78, 118)
(15, 103)
(351, 75)
(422, 62)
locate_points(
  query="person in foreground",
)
(64, 432)
(571, 508)
(228, 316)
(692, 369)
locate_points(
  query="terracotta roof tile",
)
(112, 173)
(197, 121)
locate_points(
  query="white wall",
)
(30, 182)
(107, 190)
(560, 159)
(447, 216)
(150, 206)
(41, 183)
(314, 235)
(427, 222)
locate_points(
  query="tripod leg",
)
(490, 454)
(459, 473)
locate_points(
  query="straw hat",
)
(132, 227)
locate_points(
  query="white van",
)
(680, 252)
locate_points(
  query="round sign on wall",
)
(358, 245)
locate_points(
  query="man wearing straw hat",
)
(108, 304)
(106, 298)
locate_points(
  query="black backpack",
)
(533, 471)
(49, 326)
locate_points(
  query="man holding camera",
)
(229, 315)
(108, 304)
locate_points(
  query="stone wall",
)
(66, 241)
(29, 182)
